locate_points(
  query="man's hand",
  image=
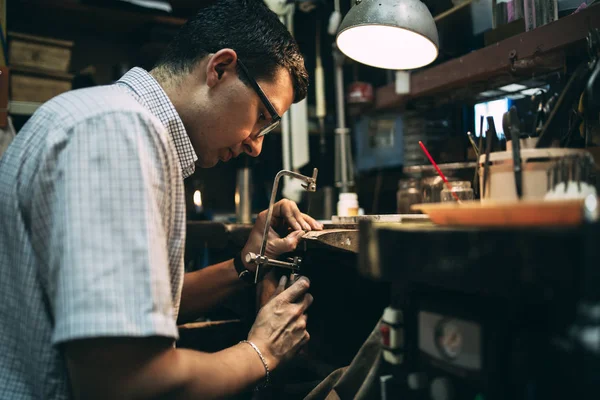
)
(279, 330)
(285, 213)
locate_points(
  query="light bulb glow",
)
(386, 46)
(198, 198)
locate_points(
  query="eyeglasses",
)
(275, 118)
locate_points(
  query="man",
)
(93, 221)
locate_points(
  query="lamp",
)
(390, 34)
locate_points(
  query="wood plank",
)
(4, 79)
(36, 54)
(36, 89)
(528, 49)
(3, 24)
(207, 324)
(68, 12)
(40, 39)
(43, 73)
(22, 107)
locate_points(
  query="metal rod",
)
(280, 264)
(261, 260)
(451, 10)
(341, 130)
(286, 148)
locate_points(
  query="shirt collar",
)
(153, 97)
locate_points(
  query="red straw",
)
(439, 171)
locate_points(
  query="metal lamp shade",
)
(390, 34)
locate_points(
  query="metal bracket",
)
(512, 57)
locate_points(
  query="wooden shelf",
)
(94, 17)
(25, 108)
(542, 49)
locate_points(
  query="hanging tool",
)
(473, 144)
(542, 113)
(515, 133)
(479, 152)
(476, 151)
(480, 145)
(592, 89)
(260, 259)
(582, 78)
(321, 109)
(344, 169)
(489, 142)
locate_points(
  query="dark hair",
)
(248, 27)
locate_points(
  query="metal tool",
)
(569, 172)
(489, 139)
(592, 89)
(506, 125)
(260, 259)
(577, 83)
(473, 144)
(476, 187)
(515, 133)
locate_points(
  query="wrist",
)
(265, 361)
(244, 274)
(263, 346)
(249, 266)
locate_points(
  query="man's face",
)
(233, 115)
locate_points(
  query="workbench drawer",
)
(39, 52)
(26, 85)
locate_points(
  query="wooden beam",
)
(72, 12)
(524, 50)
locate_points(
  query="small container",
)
(505, 11)
(408, 194)
(431, 188)
(347, 205)
(534, 164)
(462, 190)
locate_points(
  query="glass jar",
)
(462, 190)
(408, 194)
(431, 188)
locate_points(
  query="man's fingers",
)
(307, 301)
(305, 339)
(262, 216)
(284, 245)
(288, 210)
(300, 218)
(297, 290)
(293, 222)
(292, 240)
(312, 222)
(267, 288)
(281, 286)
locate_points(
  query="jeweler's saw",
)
(261, 260)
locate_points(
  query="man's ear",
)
(221, 65)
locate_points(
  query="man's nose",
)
(253, 147)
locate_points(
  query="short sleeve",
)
(107, 246)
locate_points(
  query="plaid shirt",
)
(92, 228)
